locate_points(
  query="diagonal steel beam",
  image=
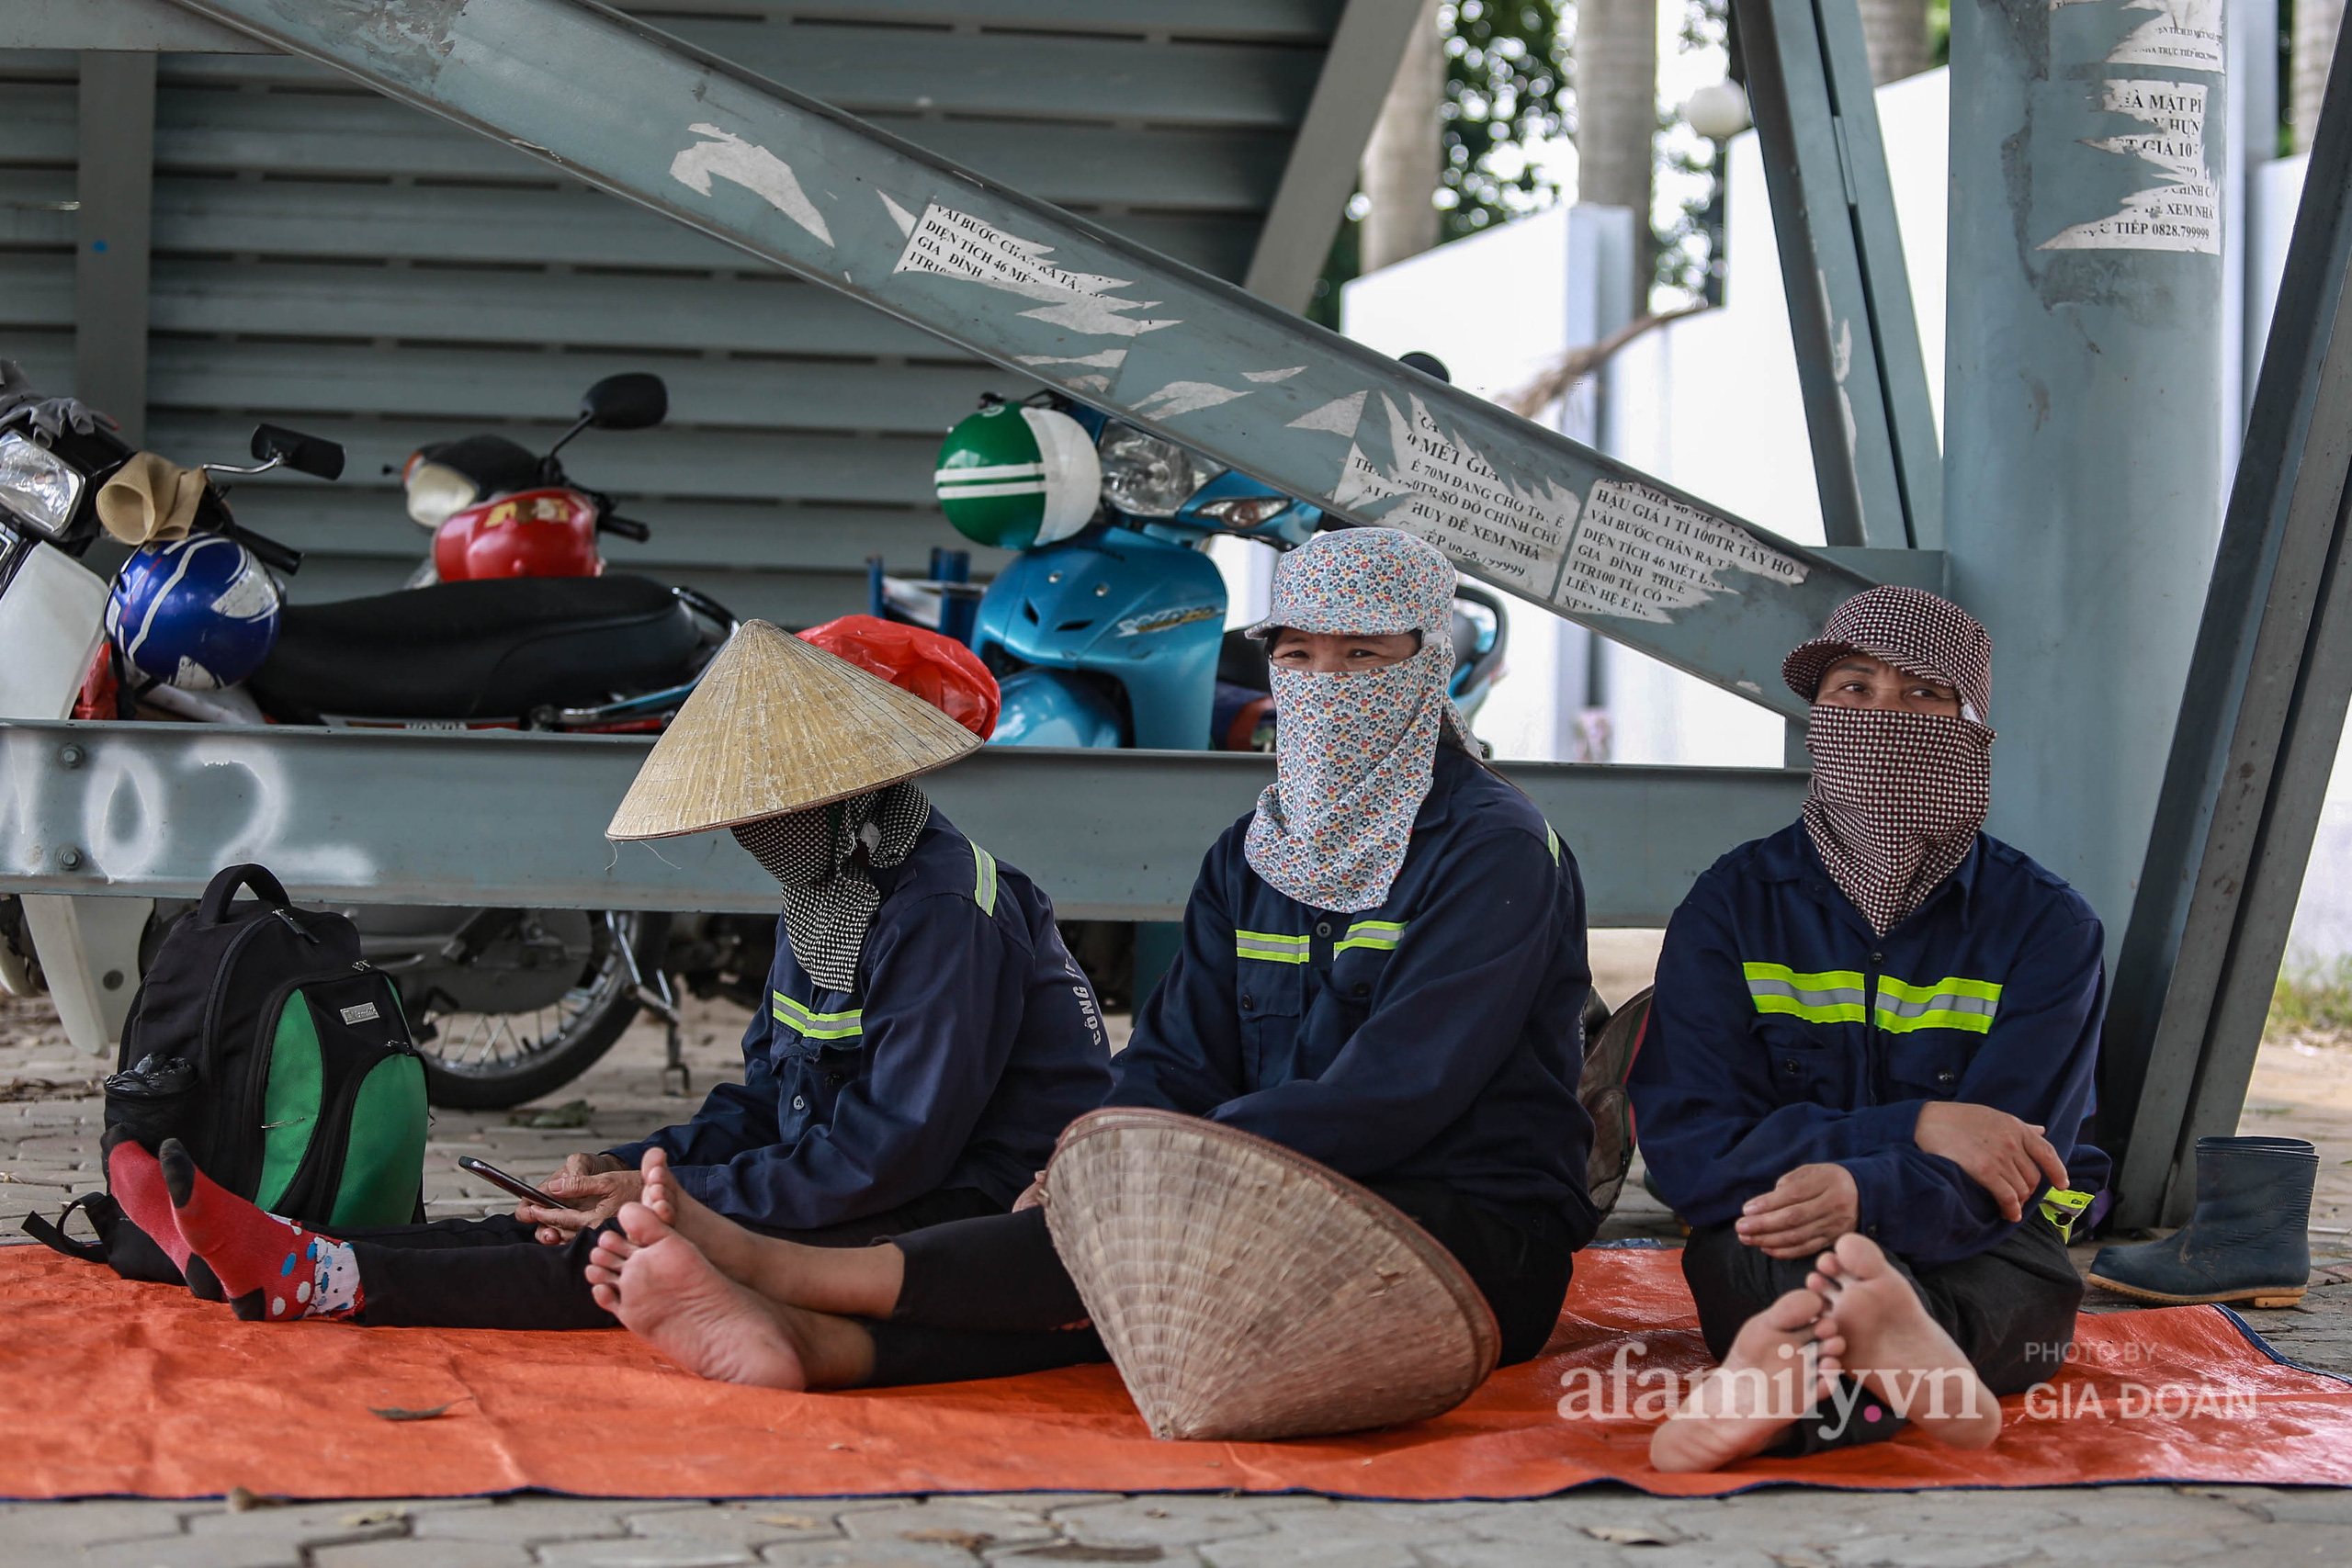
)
(616, 103)
(1859, 362)
(2260, 723)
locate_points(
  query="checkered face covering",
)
(1354, 751)
(1910, 628)
(1896, 803)
(820, 858)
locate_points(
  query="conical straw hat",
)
(776, 725)
(1246, 1292)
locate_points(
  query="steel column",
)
(115, 188)
(2082, 405)
(2258, 728)
(611, 100)
(155, 810)
(1859, 362)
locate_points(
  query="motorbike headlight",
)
(1148, 477)
(1243, 511)
(434, 490)
(37, 485)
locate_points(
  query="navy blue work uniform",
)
(931, 1091)
(1429, 1048)
(1784, 1032)
(970, 1040)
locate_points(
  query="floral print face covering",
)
(1354, 751)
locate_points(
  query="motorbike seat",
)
(481, 650)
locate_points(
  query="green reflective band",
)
(1271, 947)
(2063, 1207)
(1951, 1003)
(1381, 935)
(817, 1025)
(1834, 997)
(1554, 838)
(984, 883)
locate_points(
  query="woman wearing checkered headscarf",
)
(1867, 1082)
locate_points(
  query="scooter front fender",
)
(1052, 708)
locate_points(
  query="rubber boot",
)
(2248, 1240)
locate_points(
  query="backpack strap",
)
(53, 1236)
(214, 906)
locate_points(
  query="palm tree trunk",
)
(2316, 22)
(1616, 82)
(1896, 32)
(1405, 154)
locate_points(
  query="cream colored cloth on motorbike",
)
(149, 499)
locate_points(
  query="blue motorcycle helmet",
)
(199, 613)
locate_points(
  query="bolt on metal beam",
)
(2259, 724)
(616, 103)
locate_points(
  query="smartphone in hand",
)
(515, 1185)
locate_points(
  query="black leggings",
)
(2010, 1310)
(491, 1273)
(989, 1298)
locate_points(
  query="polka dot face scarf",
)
(828, 899)
(1897, 796)
(1353, 751)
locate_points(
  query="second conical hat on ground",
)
(775, 726)
(1246, 1292)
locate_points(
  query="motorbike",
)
(497, 510)
(506, 1003)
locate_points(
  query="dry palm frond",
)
(1579, 363)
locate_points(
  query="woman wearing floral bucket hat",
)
(1374, 1016)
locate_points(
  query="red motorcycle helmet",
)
(532, 532)
(939, 670)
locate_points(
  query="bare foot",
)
(1897, 1350)
(730, 1248)
(667, 1294)
(1782, 1361)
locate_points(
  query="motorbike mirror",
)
(1427, 364)
(631, 401)
(311, 453)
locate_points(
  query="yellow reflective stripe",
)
(984, 883)
(1553, 839)
(2063, 1207)
(1832, 997)
(1953, 1002)
(1273, 947)
(810, 1025)
(1380, 935)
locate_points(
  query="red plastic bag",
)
(939, 670)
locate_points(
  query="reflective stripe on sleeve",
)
(2064, 1207)
(1832, 997)
(1553, 837)
(984, 881)
(1380, 935)
(811, 1025)
(1271, 947)
(1951, 1003)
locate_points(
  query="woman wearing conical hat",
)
(1383, 969)
(925, 1033)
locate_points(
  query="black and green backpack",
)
(265, 1043)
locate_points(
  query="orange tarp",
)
(107, 1387)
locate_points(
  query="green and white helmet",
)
(1012, 475)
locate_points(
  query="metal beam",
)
(1291, 248)
(155, 810)
(115, 184)
(1858, 363)
(2259, 724)
(614, 102)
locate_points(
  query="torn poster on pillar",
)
(956, 245)
(2185, 215)
(2183, 35)
(1511, 533)
(1641, 555)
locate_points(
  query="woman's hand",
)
(600, 1177)
(1031, 1196)
(1806, 1211)
(2006, 1157)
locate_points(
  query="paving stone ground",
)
(49, 1130)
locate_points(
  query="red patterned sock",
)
(270, 1268)
(137, 1183)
